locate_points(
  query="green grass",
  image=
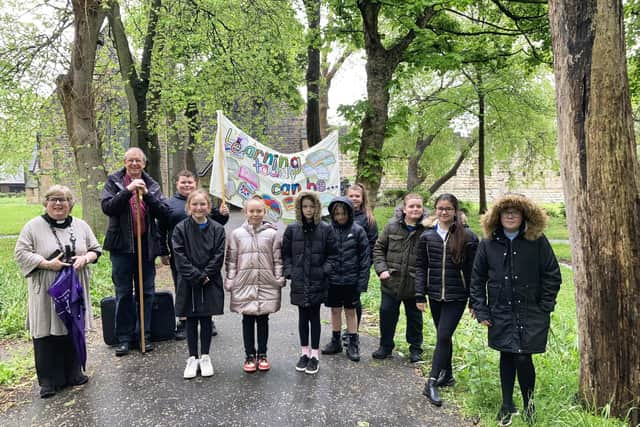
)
(15, 212)
(562, 251)
(13, 293)
(17, 366)
(557, 229)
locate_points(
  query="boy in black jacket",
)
(349, 278)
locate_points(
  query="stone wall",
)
(546, 189)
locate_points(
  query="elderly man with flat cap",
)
(119, 203)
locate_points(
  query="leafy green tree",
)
(519, 125)
(226, 55)
(399, 35)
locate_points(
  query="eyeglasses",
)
(511, 213)
(55, 200)
(445, 209)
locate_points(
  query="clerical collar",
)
(58, 223)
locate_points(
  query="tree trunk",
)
(313, 72)
(381, 64)
(75, 91)
(370, 170)
(181, 153)
(324, 106)
(600, 176)
(193, 127)
(415, 176)
(482, 190)
(137, 86)
(327, 75)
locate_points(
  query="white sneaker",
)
(191, 369)
(206, 368)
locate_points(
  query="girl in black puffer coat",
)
(514, 286)
(308, 254)
(443, 272)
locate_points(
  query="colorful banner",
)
(243, 167)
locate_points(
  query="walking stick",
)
(140, 287)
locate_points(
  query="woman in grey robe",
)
(46, 245)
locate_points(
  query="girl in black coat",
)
(308, 252)
(198, 247)
(514, 286)
(443, 271)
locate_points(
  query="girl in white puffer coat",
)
(254, 279)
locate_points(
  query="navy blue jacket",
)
(353, 258)
(360, 218)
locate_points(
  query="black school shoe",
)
(445, 379)
(312, 366)
(505, 416)
(415, 356)
(381, 353)
(301, 366)
(214, 330)
(79, 380)
(47, 391)
(122, 349)
(333, 347)
(180, 333)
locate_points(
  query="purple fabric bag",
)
(68, 297)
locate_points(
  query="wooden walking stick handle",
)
(140, 283)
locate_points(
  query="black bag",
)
(163, 319)
(108, 318)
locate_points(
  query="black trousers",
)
(389, 313)
(446, 316)
(249, 325)
(309, 319)
(56, 362)
(205, 334)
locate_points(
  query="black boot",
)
(431, 391)
(180, 335)
(334, 346)
(353, 352)
(445, 379)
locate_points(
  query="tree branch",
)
(453, 170)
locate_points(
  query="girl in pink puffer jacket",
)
(254, 279)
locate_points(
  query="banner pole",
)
(220, 155)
